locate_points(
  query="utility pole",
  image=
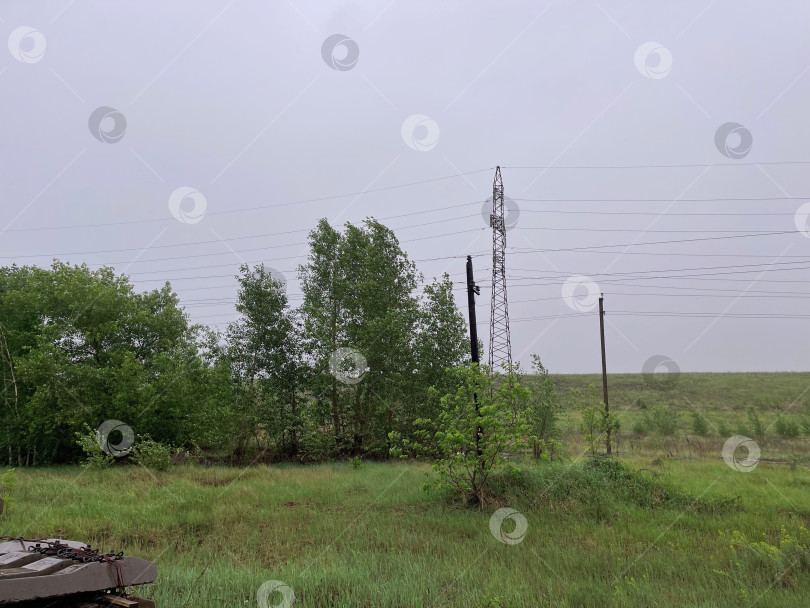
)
(500, 346)
(472, 291)
(604, 371)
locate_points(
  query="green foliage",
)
(152, 454)
(786, 427)
(604, 486)
(779, 560)
(723, 429)
(595, 422)
(80, 347)
(754, 427)
(479, 423)
(94, 456)
(543, 412)
(356, 462)
(699, 424)
(661, 420)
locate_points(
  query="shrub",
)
(754, 427)
(699, 424)
(724, 429)
(94, 456)
(639, 428)
(786, 428)
(662, 420)
(781, 561)
(152, 454)
(478, 423)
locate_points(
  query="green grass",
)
(723, 399)
(370, 537)
(709, 392)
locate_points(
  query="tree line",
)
(342, 373)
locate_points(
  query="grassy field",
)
(723, 399)
(684, 529)
(340, 536)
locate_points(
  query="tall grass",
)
(598, 535)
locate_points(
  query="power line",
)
(675, 166)
(260, 207)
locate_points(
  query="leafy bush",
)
(723, 429)
(544, 407)
(662, 420)
(478, 423)
(699, 424)
(780, 560)
(786, 428)
(639, 428)
(596, 424)
(754, 427)
(152, 454)
(94, 456)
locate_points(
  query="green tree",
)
(544, 407)
(480, 423)
(264, 361)
(358, 293)
(84, 348)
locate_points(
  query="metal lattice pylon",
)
(500, 345)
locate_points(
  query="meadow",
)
(674, 526)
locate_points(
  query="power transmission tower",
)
(500, 345)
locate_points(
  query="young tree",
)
(323, 284)
(543, 411)
(358, 293)
(475, 429)
(263, 356)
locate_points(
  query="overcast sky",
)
(131, 129)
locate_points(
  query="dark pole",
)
(472, 291)
(604, 369)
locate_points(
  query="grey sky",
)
(235, 100)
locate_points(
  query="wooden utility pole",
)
(604, 372)
(472, 291)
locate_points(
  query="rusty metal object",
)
(63, 573)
